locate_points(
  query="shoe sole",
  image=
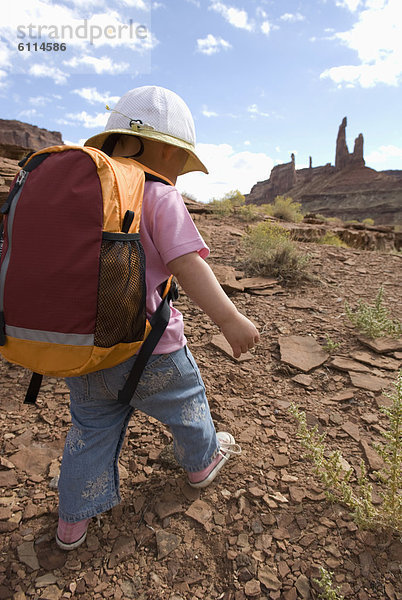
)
(205, 482)
(73, 545)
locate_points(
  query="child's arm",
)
(200, 284)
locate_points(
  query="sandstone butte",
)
(348, 190)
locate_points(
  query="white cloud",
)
(100, 65)
(92, 3)
(208, 113)
(292, 18)
(388, 157)
(352, 5)
(58, 76)
(236, 17)
(247, 143)
(228, 170)
(27, 114)
(265, 27)
(93, 96)
(376, 38)
(256, 112)
(212, 44)
(39, 100)
(5, 56)
(88, 121)
(79, 143)
(140, 4)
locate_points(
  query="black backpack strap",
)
(33, 388)
(32, 164)
(158, 322)
(152, 177)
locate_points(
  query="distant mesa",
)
(349, 190)
(18, 138)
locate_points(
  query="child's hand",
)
(240, 332)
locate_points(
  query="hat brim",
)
(193, 163)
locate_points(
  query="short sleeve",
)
(172, 229)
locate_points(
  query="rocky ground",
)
(264, 528)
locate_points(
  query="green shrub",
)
(330, 345)
(336, 221)
(332, 240)
(249, 212)
(328, 592)
(222, 208)
(271, 252)
(328, 466)
(368, 221)
(373, 320)
(225, 206)
(284, 208)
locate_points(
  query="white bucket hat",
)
(154, 113)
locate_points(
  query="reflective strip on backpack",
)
(6, 260)
(51, 337)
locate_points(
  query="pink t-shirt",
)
(167, 231)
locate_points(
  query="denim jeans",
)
(170, 390)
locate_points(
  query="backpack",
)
(72, 270)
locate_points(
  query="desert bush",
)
(328, 592)
(225, 206)
(330, 345)
(221, 208)
(249, 212)
(332, 239)
(368, 221)
(271, 252)
(373, 320)
(329, 467)
(284, 208)
(336, 221)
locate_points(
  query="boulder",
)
(18, 138)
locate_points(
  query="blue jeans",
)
(170, 390)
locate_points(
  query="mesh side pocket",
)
(121, 315)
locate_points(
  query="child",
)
(155, 127)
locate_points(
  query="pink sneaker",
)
(228, 446)
(71, 535)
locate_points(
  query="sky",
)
(262, 78)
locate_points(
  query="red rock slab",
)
(382, 345)
(302, 352)
(352, 429)
(257, 283)
(344, 395)
(300, 303)
(34, 460)
(340, 363)
(268, 576)
(373, 458)
(227, 278)
(220, 342)
(201, 512)
(381, 362)
(304, 380)
(166, 543)
(167, 505)
(366, 381)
